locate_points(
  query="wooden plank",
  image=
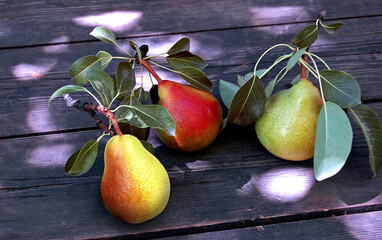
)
(24, 66)
(35, 22)
(35, 116)
(354, 226)
(234, 180)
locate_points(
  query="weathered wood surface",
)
(355, 226)
(46, 22)
(234, 189)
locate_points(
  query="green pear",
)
(135, 186)
(287, 127)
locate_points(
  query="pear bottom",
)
(135, 186)
(287, 127)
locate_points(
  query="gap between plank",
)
(183, 231)
(193, 31)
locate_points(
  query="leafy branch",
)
(339, 92)
(120, 98)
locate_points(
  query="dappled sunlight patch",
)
(198, 165)
(248, 188)
(117, 21)
(50, 155)
(4, 31)
(261, 15)
(59, 48)
(362, 226)
(285, 185)
(39, 118)
(26, 71)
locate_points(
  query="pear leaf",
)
(248, 103)
(196, 78)
(82, 160)
(143, 116)
(156, 116)
(135, 47)
(306, 37)
(332, 28)
(297, 78)
(333, 141)
(227, 91)
(185, 59)
(372, 130)
(104, 58)
(125, 78)
(140, 94)
(182, 45)
(104, 35)
(67, 89)
(140, 133)
(340, 88)
(294, 59)
(243, 79)
(148, 146)
(224, 124)
(103, 84)
(79, 68)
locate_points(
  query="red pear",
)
(196, 113)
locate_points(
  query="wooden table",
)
(233, 189)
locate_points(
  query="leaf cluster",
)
(123, 95)
(340, 93)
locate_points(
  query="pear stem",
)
(105, 111)
(151, 70)
(303, 68)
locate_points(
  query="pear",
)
(135, 186)
(196, 113)
(287, 127)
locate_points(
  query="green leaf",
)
(103, 84)
(185, 59)
(294, 59)
(241, 80)
(140, 94)
(332, 28)
(340, 88)
(248, 103)
(83, 65)
(333, 141)
(227, 91)
(140, 133)
(125, 78)
(156, 116)
(148, 146)
(104, 58)
(372, 130)
(82, 160)
(224, 124)
(295, 80)
(104, 35)
(67, 89)
(180, 46)
(306, 37)
(135, 47)
(196, 78)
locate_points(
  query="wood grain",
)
(41, 22)
(355, 226)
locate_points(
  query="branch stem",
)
(151, 70)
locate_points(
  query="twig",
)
(88, 108)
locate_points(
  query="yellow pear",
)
(287, 127)
(135, 186)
